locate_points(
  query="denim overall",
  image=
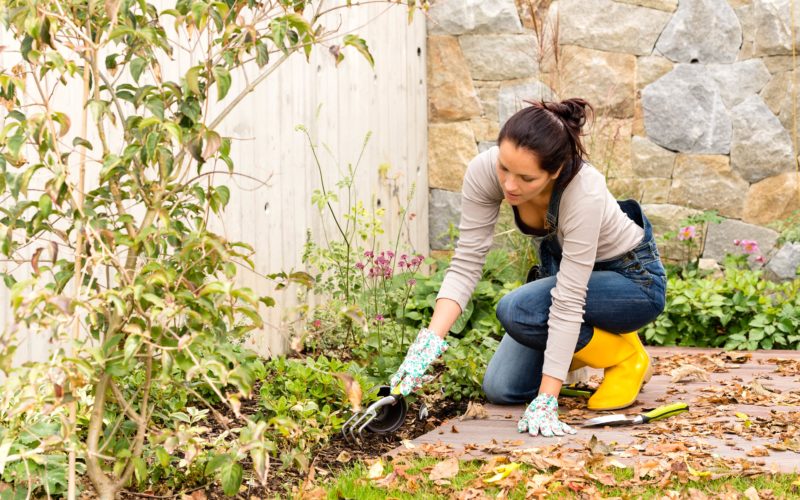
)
(624, 294)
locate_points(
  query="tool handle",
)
(664, 411)
(575, 393)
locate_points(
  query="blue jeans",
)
(623, 295)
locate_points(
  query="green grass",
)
(353, 483)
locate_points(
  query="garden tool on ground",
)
(618, 419)
(384, 416)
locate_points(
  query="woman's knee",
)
(504, 310)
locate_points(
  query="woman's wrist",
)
(550, 385)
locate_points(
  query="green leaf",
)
(80, 141)
(193, 79)
(162, 456)
(223, 79)
(216, 462)
(45, 205)
(360, 45)
(231, 476)
(137, 66)
(132, 344)
(262, 54)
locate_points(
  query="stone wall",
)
(694, 99)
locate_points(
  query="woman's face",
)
(520, 176)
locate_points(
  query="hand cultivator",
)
(384, 416)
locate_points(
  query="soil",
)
(336, 455)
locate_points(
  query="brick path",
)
(762, 386)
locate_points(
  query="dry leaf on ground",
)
(352, 389)
(688, 372)
(446, 469)
(375, 470)
(475, 411)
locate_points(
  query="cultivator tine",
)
(353, 429)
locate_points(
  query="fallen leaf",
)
(758, 451)
(375, 470)
(344, 457)
(475, 411)
(386, 482)
(502, 471)
(454, 429)
(445, 469)
(751, 493)
(599, 447)
(408, 444)
(351, 388)
(688, 372)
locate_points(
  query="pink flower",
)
(359, 265)
(317, 324)
(736, 243)
(412, 282)
(379, 318)
(687, 233)
(369, 254)
(750, 246)
(760, 259)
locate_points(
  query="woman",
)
(600, 275)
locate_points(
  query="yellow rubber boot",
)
(626, 365)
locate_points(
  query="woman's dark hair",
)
(552, 131)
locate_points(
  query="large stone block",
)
(500, 57)
(748, 23)
(651, 160)
(605, 79)
(457, 17)
(484, 129)
(487, 95)
(790, 108)
(512, 98)
(785, 264)
(611, 26)
(444, 209)
(761, 146)
(775, 91)
(719, 238)
(778, 64)
(739, 80)
(642, 190)
(772, 199)
(706, 182)
(451, 95)
(608, 144)
(451, 146)
(702, 31)
(666, 218)
(683, 111)
(650, 69)
(773, 27)
(665, 5)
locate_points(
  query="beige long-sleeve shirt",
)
(591, 227)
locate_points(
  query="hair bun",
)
(572, 111)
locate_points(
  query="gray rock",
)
(610, 26)
(665, 5)
(707, 182)
(683, 111)
(773, 32)
(650, 69)
(511, 99)
(748, 23)
(761, 146)
(719, 238)
(651, 160)
(783, 265)
(486, 145)
(740, 80)
(444, 208)
(500, 57)
(457, 17)
(702, 31)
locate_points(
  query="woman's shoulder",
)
(480, 179)
(587, 182)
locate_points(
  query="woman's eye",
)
(528, 179)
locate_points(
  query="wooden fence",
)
(338, 106)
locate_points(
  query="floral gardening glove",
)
(541, 417)
(424, 351)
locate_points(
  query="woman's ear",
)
(558, 172)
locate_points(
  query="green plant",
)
(691, 235)
(738, 310)
(108, 226)
(789, 228)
